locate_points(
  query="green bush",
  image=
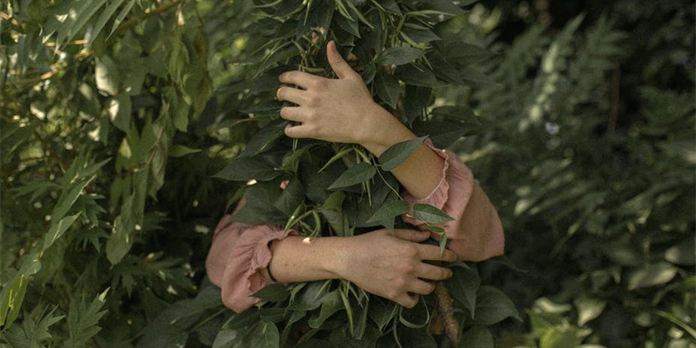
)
(115, 115)
(107, 211)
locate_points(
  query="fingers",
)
(301, 79)
(421, 287)
(338, 64)
(412, 235)
(292, 95)
(431, 252)
(292, 113)
(406, 300)
(432, 272)
(298, 131)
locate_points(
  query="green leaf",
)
(464, 54)
(107, 75)
(399, 55)
(423, 77)
(273, 293)
(477, 336)
(121, 16)
(463, 285)
(354, 175)
(420, 36)
(682, 253)
(390, 211)
(12, 299)
(83, 319)
(57, 230)
(430, 214)
(350, 26)
(493, 306)
(30, 333)
(67, 199)
(121, 240)
(398, 153)
(248, 168)
(309, 297)
(388, 89)
(442, 133)
(651, 275)
(588, 308)
(330, 304)
(264, 139)
(292, 196)
(119, 111)
(336, 157)
(181, 151)
(265, 335)
(104, 17)
(242, 320)
(474, 77)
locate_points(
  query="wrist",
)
(335, 260)
(383, 131)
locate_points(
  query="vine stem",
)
(446, 313)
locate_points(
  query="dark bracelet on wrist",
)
(270, 275)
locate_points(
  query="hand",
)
(392, 266)
(338, 110)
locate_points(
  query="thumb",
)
(412, 235)
(338, 64)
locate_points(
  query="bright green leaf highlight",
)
(398, 153)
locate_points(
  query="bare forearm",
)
(421, 172)
(297, 259)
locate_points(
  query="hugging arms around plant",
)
(390, 265)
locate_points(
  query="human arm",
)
(342, 110)
(386, 265)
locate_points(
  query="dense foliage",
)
(116, 114)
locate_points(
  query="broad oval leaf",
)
(398, 153)
(354, 175)
(651, 275)
(682, 253)
(273, 293)
(248, 168)
(463, 285)
(493, 306)
(399, 55)
(390, 211)
(430, 214)
(388, 89)
(107, 75)
(477, 336)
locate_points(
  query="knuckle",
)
(312, 114)
(318, 83)
(392, 295)
(312, 99)
(410, 250)
(407, 268)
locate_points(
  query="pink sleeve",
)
(476, 233)
(237, 253)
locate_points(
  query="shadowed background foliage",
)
(577, 118)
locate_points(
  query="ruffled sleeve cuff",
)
(237, 254)
(452, 193)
